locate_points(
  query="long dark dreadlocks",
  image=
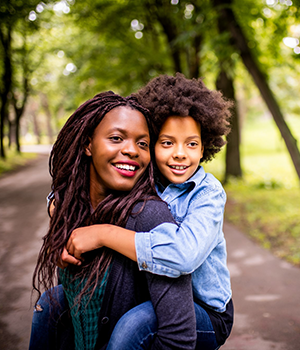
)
(69, 168)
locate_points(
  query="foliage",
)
(14, 160)
(265, 204)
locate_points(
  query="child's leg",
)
(135, 330)
(206, 338)
(45, 318)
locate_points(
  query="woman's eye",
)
(116, 138)
(143, 144)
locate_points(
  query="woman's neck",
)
(96, 194)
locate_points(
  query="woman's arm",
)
(172, 298)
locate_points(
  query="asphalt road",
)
(266, 290)
(23, 222)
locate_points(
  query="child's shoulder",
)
(208, 184)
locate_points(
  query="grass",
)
(265, 204)
(14, 160)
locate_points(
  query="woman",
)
(100, 165)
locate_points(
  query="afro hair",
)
(166, 96)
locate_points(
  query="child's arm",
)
(167, 249)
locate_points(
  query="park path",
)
(23, 222)
(266, 290)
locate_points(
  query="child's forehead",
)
(181, 125)
(181, 120)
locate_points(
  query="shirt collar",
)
(195, 180)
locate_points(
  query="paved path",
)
(266, 290)
(266, 294)
(23, 221)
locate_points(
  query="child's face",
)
(119, 151)
(178, 149)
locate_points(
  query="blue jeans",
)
(136, 329)
(47, 326)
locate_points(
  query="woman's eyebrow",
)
(125, 132)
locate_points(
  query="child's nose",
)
(179, 152)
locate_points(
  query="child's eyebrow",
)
(165, 135)
(193, 137)
(173, 137)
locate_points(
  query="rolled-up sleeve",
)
(173, 250)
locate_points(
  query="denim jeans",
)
(46, 317)
(136, 329)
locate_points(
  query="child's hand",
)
(82, 240)
(67, 259)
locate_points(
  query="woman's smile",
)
(127, 168)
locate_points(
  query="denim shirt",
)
(197, 245)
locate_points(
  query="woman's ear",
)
(87, 149)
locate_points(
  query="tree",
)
(14, 22)
(227, 15)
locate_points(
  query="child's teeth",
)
(177, 167)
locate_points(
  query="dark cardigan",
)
(127, 287)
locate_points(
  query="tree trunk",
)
(170, 29)
(36, 128)
(194, 64)
(6, 83)
(233, 162)
(45, 104)
(17, 131)
(260, 80)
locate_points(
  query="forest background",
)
(56, 54)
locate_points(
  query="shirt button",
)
(144, 265)
(104, 320)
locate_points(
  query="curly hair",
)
(69, 168)
(166, 96)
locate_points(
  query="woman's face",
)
(119, 151)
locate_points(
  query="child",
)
(190, 122)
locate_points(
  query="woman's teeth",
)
(125, 167)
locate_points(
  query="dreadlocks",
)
(69, 168)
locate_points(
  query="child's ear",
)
(88, 149)
(202, 151)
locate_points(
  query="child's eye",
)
(193, 144)
(166, 143)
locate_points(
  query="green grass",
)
(265, 204)
(14, 160)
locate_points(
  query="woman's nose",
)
(130, 148)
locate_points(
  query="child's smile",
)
(178, 149)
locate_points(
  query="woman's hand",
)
(82, 240)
